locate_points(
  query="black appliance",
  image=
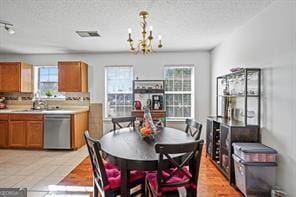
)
(157, 102)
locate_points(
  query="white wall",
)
(145, 67)
(268, 41)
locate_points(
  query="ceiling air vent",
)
(88, 34)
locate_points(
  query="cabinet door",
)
(34, 134)
(84, 77)
(26, 77)
(10, 77)
(79, 126)
(17, 134)
(225, 151)
(3, 133)
(209, 138)
(69, 77)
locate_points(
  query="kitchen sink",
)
(52, 109)
(39, 110)
(30, 110)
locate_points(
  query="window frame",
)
(59, 95)
(192, 92)
(106, 87)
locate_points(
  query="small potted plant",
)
(49, 93)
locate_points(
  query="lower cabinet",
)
(3, 133)
(34, 134)
(25, 131)
(79, 124)
(220, 136)
(17, 134)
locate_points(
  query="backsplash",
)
(71, 98)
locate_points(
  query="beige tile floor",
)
(40, 171)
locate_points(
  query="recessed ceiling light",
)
(85, 34)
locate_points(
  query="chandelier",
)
(145, 44)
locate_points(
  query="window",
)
(118, 91)
(47, 80)
(179, 91)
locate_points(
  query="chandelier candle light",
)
(145, 44)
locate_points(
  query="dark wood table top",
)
(127, 144)
(127, 149)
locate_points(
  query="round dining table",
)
(127, 149)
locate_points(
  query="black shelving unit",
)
(222, 130)
(146, 89)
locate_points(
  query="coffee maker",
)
(157, 102)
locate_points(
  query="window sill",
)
(176, 120)
(54, 98)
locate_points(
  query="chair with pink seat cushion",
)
(183, 173)
(107, 176)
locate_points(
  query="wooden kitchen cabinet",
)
(3, 130)
(25, 131)
(73, 76)
(34, 134)
(16, 77)
(26, 117)
(17, 134)
(79, 124)
(3, 133)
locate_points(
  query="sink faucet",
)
(43, 103)
(38, 102)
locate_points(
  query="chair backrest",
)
(94, 149)
(193, 128)
(192, 154)
(117, 122)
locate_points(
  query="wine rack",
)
(217, 146)
(220, 135)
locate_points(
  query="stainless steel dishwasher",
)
(57, 131)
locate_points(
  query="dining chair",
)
(183, 173)
(193, 128)
(106, 176)
(118, 122)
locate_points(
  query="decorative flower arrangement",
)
(149, 129)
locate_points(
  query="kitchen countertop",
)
(51, 111)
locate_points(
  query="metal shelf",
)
(148, 88)
(246, 103)
(148, 91)
(238, 95)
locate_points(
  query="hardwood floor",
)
(211, 182)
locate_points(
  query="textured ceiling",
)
(48, 26)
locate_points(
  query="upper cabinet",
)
(16, 77)
(73, 76)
